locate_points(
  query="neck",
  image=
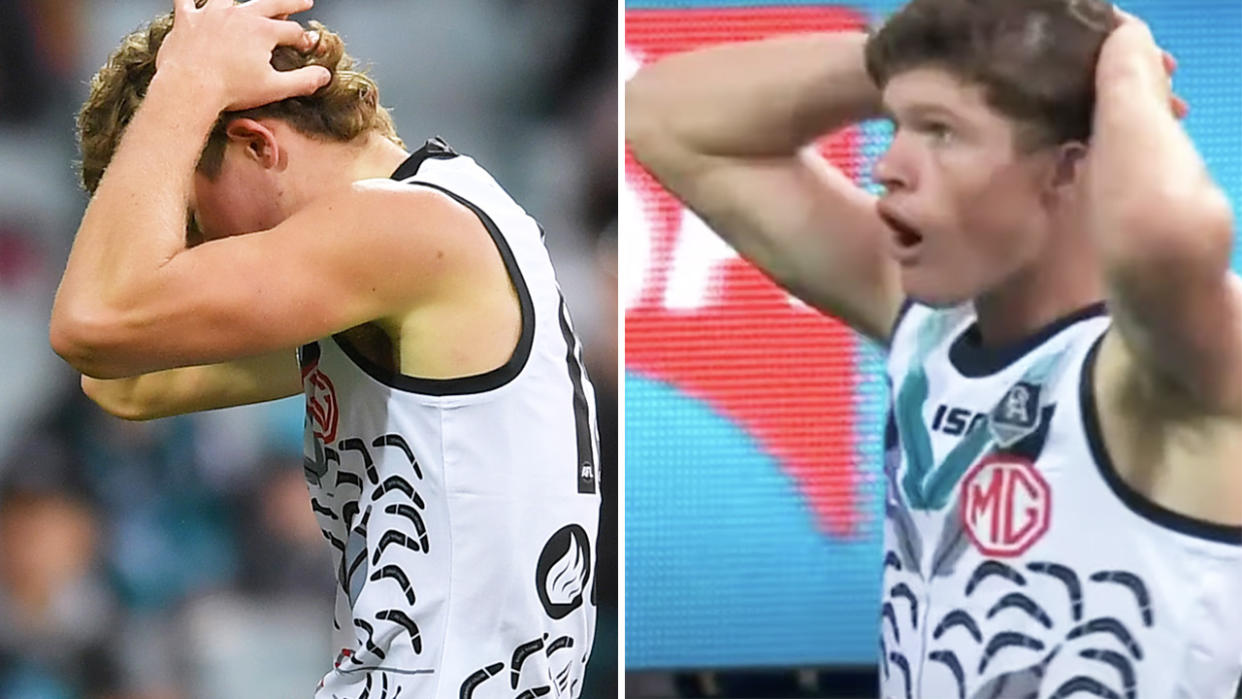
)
(325, 167)
(1061, 282)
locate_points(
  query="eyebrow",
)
(920, 110)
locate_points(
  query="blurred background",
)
(179, 558)
(754, 425)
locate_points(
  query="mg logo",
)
(1006, 505)
(321, 405)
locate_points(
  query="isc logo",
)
(956, 421)
(1006, 505)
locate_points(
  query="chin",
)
(935, 291)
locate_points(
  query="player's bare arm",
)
(1164, 232)
(730, 130)
(134, 299)
(191, 389)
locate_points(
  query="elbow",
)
(68, 339)
(647, 130)
(82, 340)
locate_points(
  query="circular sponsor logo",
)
(563, 571)
(1006, 505)
(321, 405)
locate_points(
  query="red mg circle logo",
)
(1006, 505)
(321, 405)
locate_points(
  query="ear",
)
(1067, 165)
(257, 140)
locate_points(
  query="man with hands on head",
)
(1049, 269)
(256, 229)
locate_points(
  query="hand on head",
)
(1132, 45)
(229, 47)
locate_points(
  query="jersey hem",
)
(1131, 498)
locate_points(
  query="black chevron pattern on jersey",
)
(1026, 604)
(519, 656)
(403, 620)
(900, 661)
(949, 659)
(1119, 680)
(477, 678)
(368, 642)
(1082, 683)
(368, 464)
(391, 571)
(394, 536)
(321, 509)
(890, 614)
(1004, 640)
(348, 511)
(1134, 584)
(1068, 577)
(559, 643)
(392, 483)
(395, 440)
(989, 568)
(1112, 626)
(1120, 663)
(958, 617)
(403, 510)
(903, 591)
(883, 657)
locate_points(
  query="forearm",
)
(756, 99)
(1163, 232)
(136, 220)
(1152, 200)
(194, 388)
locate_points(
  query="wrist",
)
(193, 90)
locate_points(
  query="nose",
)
(893, 170)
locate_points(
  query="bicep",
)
(808, 227)
(190, 389)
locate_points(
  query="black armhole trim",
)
(478, 383)
(433, 148)
(1137, 502)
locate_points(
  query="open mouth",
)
(906, 235)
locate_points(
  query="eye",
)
(939, 131)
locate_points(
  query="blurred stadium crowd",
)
(179, 558)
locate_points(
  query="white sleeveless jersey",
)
(1017, 563)
(462, 513)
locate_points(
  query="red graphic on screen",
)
(784, 373)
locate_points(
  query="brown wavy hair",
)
(344, 109)
(1035, 59)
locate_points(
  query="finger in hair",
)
(275, 8)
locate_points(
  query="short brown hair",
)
(342, 110)
(1035, 59)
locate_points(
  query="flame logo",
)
(563, 571)
(567, 577)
